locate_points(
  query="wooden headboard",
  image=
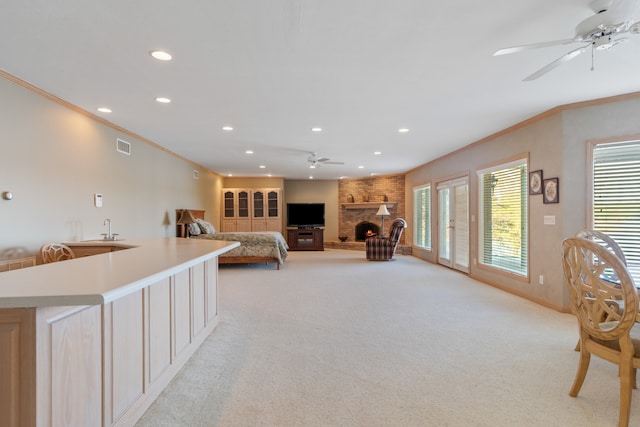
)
(198, 214)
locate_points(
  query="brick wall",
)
(370, 190)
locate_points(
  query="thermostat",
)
(97, 200)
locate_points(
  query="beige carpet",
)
(334, 340)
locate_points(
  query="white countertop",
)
(102, 278)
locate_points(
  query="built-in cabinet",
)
(252, 209)
(103, 364)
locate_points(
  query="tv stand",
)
(306, 239)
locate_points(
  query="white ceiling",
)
(273, 69)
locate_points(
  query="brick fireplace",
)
(359, 200)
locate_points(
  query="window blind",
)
(616, 198)
(422, 216)
(503, 217)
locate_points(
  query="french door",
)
(453, 223)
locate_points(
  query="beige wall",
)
(307, 191)
(266, 182)
(54, 158)
(556, 143)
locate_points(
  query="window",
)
(616, 197)
(422, 216)
(503, 228)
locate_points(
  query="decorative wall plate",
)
(535, 182)
(551, 190)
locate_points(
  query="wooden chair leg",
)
(626, 381)
(583, 366)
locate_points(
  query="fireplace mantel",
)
(369, 205)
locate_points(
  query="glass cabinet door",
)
(243, 204)
(229, 204)
(272, 204)
(258, 204)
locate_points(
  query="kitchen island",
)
(94, 340)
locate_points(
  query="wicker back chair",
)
(604, 299)
(52, 252)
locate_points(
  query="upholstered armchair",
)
(381, 248)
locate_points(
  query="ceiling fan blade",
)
(516, 49)
(564, 58)
(333, 163)
(322, 159)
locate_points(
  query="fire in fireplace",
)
(365, 229)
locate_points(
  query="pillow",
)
(205, 227)
(194, 229)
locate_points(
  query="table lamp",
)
(186, 218)
(383, 211)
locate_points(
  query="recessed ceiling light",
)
(161, 55)
(377, 153)
(248, 152)
(403, 130)
(373, 174)
(312, 166)
(163, 100)
(311, 177)
(269, 175)
(360, 167)
(229, 174)
(227, 128)
(342, 177)
(316, 129)
(262, 166)
(104, 110)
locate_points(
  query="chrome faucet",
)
(108, 236)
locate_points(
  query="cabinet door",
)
(199, 302)
(273, 204)
(230, 226)
(211, 277)
(258, 204)
(159, 335)
(274, 211)
(181, 311)
(244, 210)
(243, 226)
(259, 225)
(229, 204)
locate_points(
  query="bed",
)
(255, 247)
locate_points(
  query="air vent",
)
(196, 174)
(123, 146)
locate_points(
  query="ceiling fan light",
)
(635, 28)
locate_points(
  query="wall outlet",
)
(541, 280)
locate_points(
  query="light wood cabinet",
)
(103, 364)
(252, 209)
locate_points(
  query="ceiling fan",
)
(601, 31)
(315, 161)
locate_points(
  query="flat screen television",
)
(305, 215)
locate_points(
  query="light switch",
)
(97, 200)
(549, 219)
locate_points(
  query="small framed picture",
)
(535, 182)
(551, 190)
